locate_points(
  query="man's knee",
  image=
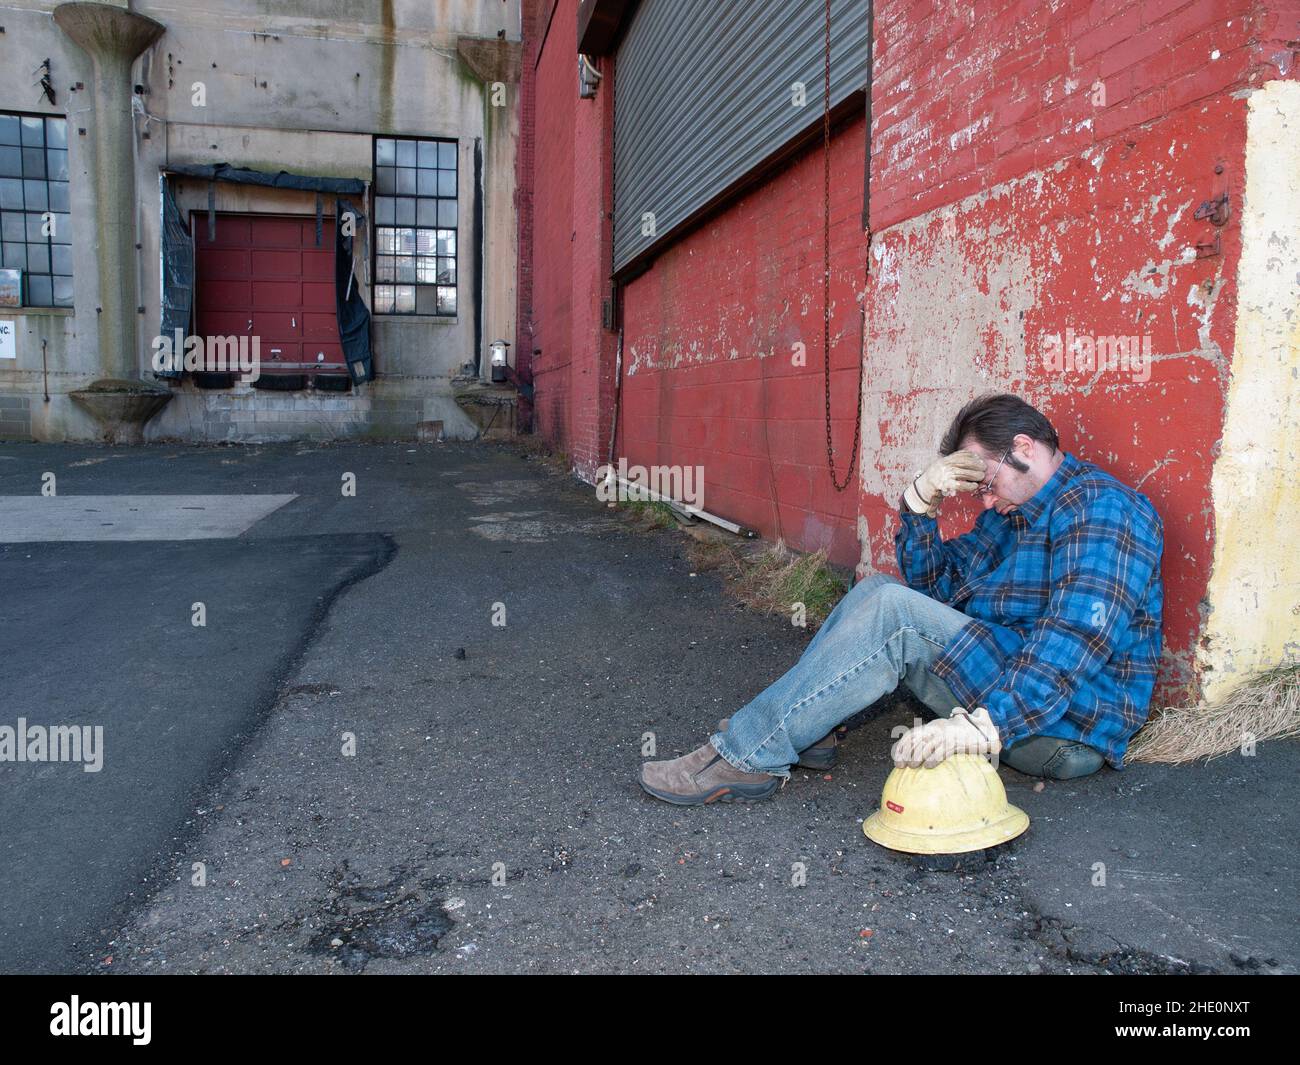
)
(873, 582)
(893, 595)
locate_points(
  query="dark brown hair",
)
(995, 420)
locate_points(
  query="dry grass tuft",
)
(1265, 707)
(773, 578)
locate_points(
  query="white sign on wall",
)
(8, 345)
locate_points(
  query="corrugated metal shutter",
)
(702, 95)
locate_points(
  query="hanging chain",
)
(826, 284)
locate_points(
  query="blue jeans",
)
(880, 634)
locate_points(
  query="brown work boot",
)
(821, 755)
(705, 776)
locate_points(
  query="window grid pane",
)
(416, 218)
(34, 181)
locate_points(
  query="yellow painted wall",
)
(1254, 590)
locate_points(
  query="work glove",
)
(962, 471)
(962, 733)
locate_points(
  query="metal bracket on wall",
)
(588, 78)
(1217, 213)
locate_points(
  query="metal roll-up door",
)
(702, 96)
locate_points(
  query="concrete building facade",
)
(1090, 203)
(322, 90)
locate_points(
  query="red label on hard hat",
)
(894, 806)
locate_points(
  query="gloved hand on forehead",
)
(962, 471)
(962, 733)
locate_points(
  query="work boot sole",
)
(722, 793)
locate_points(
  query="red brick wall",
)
(571, 197)
(710, 335)
(531, 12)
(962, 107)
(554, 151)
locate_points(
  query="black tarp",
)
(177, 271)
(353, 314)
(281, 180)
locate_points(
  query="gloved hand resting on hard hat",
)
(962, 733)
(962, 471)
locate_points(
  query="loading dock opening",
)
(265, 276)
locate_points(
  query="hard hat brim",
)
(1007, 827)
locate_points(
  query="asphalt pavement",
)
(406, 738)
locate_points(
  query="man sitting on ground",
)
(1045, 617)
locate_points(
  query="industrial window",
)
(415, 226)
(35, 226)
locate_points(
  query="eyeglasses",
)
(987, 486)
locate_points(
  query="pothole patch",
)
(407, 927)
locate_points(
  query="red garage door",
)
(264, 276)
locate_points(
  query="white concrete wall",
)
(298, 85)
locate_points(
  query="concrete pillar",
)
(495, 63)
(113, 37)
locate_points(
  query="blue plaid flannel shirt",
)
(1065, 602)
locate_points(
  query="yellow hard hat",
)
(960, 805)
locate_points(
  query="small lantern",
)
(499, 361)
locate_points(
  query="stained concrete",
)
(59, 519)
